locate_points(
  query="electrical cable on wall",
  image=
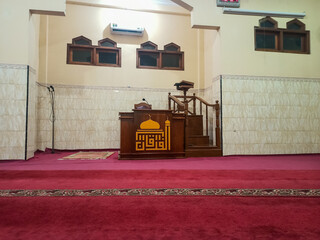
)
(52, 117)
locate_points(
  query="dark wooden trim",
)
(271, 32)
(308, 51)
(181, 60)
(125, 115)
(279, 34)
(94, 53)
(70, 49)
(305, 41)
(171, 44)
(94, 56)
(146, 51)
(270, 19)
(142, 105)
(149, 43)
(117, 51)
(280, 41)
(107, 40)
(159, 59)
(81, 37)
(148, 156)
(298, 22)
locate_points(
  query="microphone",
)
(50, 89)
(143, 99)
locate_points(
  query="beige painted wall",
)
(17, 24)
(237, 55)
(104, 91)
(14, 25)
(19, 48)
(212, 56)
(159, 28)
(33, 41)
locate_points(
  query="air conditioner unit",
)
(126, 30)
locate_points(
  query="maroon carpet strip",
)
(163, 192)
(160, 179)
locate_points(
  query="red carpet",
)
(205, 198)
(176, 218)
(48, 161)
(160, 179)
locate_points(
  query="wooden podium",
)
(151, 134)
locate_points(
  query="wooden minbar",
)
(151, 134)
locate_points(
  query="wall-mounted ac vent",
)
(126, 30)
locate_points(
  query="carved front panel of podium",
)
(151, 134)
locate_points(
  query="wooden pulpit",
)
(151, 134)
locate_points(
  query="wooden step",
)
(203, 151)
(197, 144)
(194, 125)
(203, 147)
(196, 140)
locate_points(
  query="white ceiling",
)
(162, 2)
(162, 5)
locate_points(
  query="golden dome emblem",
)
(149, 124)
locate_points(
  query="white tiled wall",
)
(13, 90)
(269, 115)
(88, 117)
(261, 115)
(13, 100)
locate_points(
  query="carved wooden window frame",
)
(152, 49)
(279, 34)
(95, 50)
(110, 49)
(148, 48)
(82, 47)
(176, 52)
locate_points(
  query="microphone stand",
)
(143, 99)
(52, 95)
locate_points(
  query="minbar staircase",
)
(197, 140)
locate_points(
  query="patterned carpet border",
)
(164, 192)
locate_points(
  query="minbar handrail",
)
(182, 106)
(175, 99)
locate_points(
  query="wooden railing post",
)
(178, 106)
(207, 120)
(182, 106)
(186, 109)
(194, 104)
(218, 140)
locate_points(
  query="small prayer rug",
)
(88, 156)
